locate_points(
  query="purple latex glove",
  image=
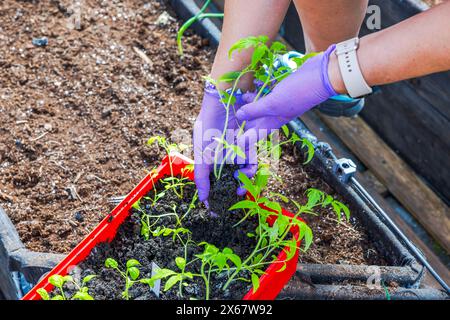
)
(209, 125)
(299, 92)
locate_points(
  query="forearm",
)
(243, 19)
(415, 47)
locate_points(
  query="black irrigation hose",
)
(410, 246)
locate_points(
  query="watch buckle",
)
(347, 46)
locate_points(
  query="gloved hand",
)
(209, 125)
(299, 92)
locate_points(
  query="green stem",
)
(62, 293)
(194, 198)
(223, 162)
(205, 279)
(265, 84)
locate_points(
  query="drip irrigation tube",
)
(414, 250)
(411, 247)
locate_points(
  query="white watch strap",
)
(351, 73)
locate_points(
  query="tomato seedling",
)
(59, 282)
(130, 275)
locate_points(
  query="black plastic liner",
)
(20, 268)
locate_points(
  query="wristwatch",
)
(351, 73)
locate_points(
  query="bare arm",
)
(243, 19)
(415, 47)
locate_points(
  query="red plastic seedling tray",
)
(271, 283)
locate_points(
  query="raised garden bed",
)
(368, 246)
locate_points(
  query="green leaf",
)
(227, 99)
(163, 273)
(295, 138)
(150, 282)
(244, 204)
(154, 139)
(229, 76)
(220, 260)
(145, 231)
(258, 271)
(132, 263)
(262, 177)
(84, 289)
(255, 282)
(43, 293)
(56, 280)
(302, 60)
(292, 245)
(211, 249)
(245, 43)
(227, 250)
(137, 205)
(275, 206)
(257, 258)
(187, 168)
(285, 130)
(237, 151)
(283, 223)
(314, 197)
(308, 235)
(310, 150)
(340, 207)
(248, 185)
(58, 297)
(235, 259)
(282, 197)
(328, 200)
(180, 262)
(172, 281)
(111, 263)
(261, 76)
(88, 278)
(133, 272)
(82, 296)
(277, 46)
(258, 54)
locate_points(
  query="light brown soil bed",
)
(75, 116)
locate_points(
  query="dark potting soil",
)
(222, 194)
(129, 244)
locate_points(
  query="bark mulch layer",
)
(77, 112)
